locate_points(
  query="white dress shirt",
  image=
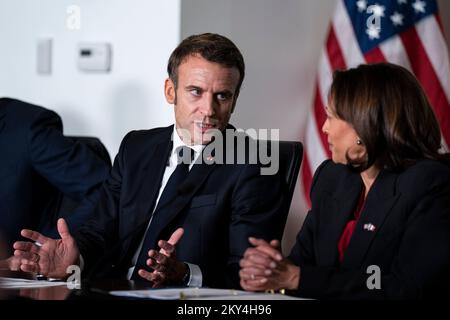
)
(195, 278)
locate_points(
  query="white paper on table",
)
(17, 283)
(198, 294)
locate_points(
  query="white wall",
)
(281, 42)
(142, 34)
(280, 39)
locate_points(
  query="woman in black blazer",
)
(379, 226)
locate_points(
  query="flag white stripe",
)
(346, 37)
(316, 154)
(324, 76)
(394, 52)
(436, 49)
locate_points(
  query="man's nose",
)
(208, 106)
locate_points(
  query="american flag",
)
(404, 32)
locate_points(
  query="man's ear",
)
(169, 91)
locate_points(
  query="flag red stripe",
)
(319, 118)
(375, 55)
(423, 69)
(334, 52)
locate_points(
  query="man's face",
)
(204, 98)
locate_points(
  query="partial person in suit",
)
(379, 226)
(207, 215)
(37, 164)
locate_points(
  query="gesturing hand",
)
(47, 256)
(166, 268)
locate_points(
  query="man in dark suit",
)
(217, 206)
(37, 163)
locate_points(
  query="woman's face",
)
(341, 137)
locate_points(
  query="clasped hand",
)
(263, 267)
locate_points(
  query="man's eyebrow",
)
(226, 91)
(192, 87)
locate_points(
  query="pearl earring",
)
(358, 142)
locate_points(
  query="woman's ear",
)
(169, 91)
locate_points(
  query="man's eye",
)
(195, 92)
(222, 96)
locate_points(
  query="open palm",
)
(47, 256)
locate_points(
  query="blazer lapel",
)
(195, 179)
(337, 210)
(152, 174)
(379, 203)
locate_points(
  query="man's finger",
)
(34, 235)
(26, 255)
(155, 277)
(26, 246)
(155, 265)
(158, 279)
(146, 275)
(176, 236)
(166, 247)
(30, 267)
(158, 257)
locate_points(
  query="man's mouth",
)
(202, 126)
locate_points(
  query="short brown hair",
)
(390, 112)
(210, 46)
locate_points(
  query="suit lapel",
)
(379, 203)
(186, 191)
(338, 207)
(152, 174)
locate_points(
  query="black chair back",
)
(291, 155)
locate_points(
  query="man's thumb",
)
(63, 229)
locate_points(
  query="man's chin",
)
(206, 137)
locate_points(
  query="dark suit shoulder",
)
(424, 176)
(138, 141)
(328, 175)
(23, 111)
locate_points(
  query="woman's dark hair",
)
(391, 114)
(212, 47)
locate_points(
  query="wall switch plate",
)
(44, 56)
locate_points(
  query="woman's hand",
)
(264, 268)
